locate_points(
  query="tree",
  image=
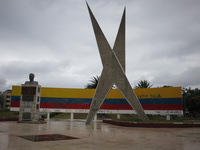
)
(143, 84)
(1, 101)
(191, 101)
(194, 107)
(167, 86)
(94, 81)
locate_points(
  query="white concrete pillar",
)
(95, 126)
(95, 117)
(118, 116)
(48, 116)
(72, 116)
(167, 117)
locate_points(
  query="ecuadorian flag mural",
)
(153, 100)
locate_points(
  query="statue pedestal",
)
(29, 103)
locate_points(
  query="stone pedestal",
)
(29, 103)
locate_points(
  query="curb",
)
(152, 125)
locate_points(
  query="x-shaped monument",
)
(113, 72)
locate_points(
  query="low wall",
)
(159, 101)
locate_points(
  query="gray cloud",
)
(2, 83)
(186, 78)
(55, 40)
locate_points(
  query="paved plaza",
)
(98, 136)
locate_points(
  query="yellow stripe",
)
(168, 92)
(16, 90)
(67, 93)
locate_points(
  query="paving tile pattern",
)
(97, 136)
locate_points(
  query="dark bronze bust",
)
(31, 77)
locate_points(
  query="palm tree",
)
(94, 81)
(167, 86)
(143, 84)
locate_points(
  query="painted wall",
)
(154, 100)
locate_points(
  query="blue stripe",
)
(115, 101)
(111, 101)
(162, 101)
(66, 100)
(15, 98)
(107, 101)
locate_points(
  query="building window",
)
(8, 96)
(38, 99)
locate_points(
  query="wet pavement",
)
(98, 136)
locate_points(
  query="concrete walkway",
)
(98, 136)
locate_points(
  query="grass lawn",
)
(9, 114)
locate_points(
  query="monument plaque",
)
(30, 100)
(28, 90)
(28, 97)
(26, 116)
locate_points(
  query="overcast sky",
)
(54, 40)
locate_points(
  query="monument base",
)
(33, 121)
(29, 103)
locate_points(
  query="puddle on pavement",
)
(47, 137)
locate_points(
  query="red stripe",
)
(145, 107)
(64, 106)
(15, 104)
(106, 106)
(112, 106)
(116, 107)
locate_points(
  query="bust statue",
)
(31, 77)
